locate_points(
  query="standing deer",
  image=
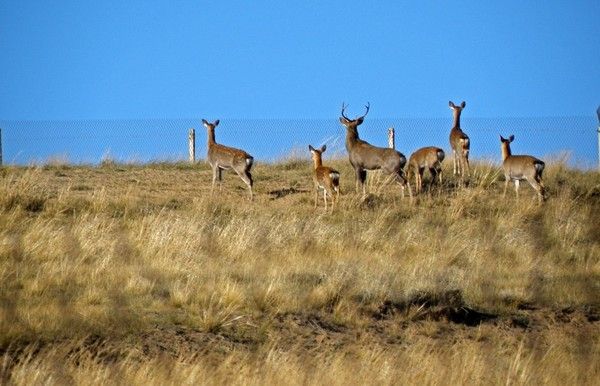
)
(324, 177)
(521, 167)
(364, 156)
(431, 158)
(459, 142)
(221, 158)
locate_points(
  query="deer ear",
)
(217, 123)
(463, 104)
(360, 120)
(451, 104)
(310, 148)
(323, 148)
(501, 138)
(511, 138)
(204, 122)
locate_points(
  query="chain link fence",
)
(570, 139)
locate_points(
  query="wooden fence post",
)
(0, 146)
(192, 145)
(391, 139)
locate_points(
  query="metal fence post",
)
(391, 139)
(192, 145)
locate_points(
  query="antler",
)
(344, 108)
(368, 105)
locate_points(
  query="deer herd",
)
(363, 156)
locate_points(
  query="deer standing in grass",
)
(459, 142)
(430, 158)
(364, 156)
(222, 157)
(324, 177)
(521, 167)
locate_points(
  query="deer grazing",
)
(222, 157)
(459, 142)
(430, 158)
(364, 156)
(324, 177)
(521, 167)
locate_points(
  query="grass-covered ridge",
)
(136, 273)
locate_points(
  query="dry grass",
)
(136, 274)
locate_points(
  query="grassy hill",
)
(138, 274)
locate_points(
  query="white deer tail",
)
(335, 176)
(539, 166)
(441, 155)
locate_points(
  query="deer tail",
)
(440, 155)
(539, 166)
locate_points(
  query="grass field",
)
(136, 274)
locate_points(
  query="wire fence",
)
(572, 139)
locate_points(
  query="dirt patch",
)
(448, 306)
(280, 193)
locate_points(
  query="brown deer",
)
(324, 177)
(364, 156)
(430, 158)
(221, 158)
(459, 142)
(521, 167)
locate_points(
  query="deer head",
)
(210, 126)
(353, 122)
(316, 154)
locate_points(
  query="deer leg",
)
(220, 178)
(454, 166)
(250, 184)
(517, 182)
(361, 176)
(438, 173)
(247, 178)
(433, 172)
(539, 188)
(325, 197)
(506, 181)
(216, 175)
(407, 183)
(404, 183)
(538, 179)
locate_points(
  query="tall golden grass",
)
(137, 274)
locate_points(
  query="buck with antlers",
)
(324, 177)
(364, 156)
(459, 142)
(430, 158)
(222, 157)
(521, 167)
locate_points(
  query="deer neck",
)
(317, 162)
(456, 114)
(505, 151)
(351, 136)
(211, 137)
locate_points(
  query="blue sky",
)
(81, 60)
(255, 59)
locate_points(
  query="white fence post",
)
(192, 145)
(391, 139)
